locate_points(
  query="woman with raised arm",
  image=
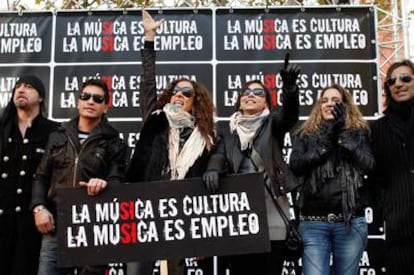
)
(177, 135)
(253, 143)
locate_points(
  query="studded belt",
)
(329, 218)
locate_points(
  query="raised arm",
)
(148, 92)
(285, 118)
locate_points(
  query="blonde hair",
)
(353, 116)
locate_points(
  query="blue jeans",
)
(320, 239)
(49, 256)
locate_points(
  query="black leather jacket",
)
(66, 161)
(332, 167)
(268, 143)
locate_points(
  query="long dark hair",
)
(390, 70)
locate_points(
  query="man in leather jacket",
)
(86, 152)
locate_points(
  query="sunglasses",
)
(406, 78)
(185, 91)
(96, 98)
(257, 92)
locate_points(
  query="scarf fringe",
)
(246, 126)
(180, 162)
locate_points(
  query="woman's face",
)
(329, 99)
(401, 84)
(253, 99)
(183, 95)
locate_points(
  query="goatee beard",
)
(20, 104)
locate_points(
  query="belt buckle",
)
(331, 218)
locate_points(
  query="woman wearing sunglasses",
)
(331, 153)
(177, 135)
(253, 143)
(393, 178)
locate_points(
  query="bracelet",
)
(38, 208)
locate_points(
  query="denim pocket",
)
(361, 228)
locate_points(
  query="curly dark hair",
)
(390, 70)
(353, 116)
(203, 108)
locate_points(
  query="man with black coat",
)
(393, 178)
(22, 142)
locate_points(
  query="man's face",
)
(26, 96)
(91, 103)
(401, 84)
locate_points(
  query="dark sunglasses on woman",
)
(404, 77)
(96, 98)
(185, 91)
(257, 92)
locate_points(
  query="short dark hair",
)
(100, 83)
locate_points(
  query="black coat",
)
(150, 160)
(393, 147)
(19, 238)
(268, 143)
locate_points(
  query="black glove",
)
(289, 74)
(211, 180)
(339, 116)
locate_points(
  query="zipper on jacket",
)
(75, 170)
(88, 140)
(75, 174)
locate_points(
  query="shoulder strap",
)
(258, 162)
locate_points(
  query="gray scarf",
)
(246, 126)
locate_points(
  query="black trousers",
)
(399, 258)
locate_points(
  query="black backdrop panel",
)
(330, 33)
(356, 77)
(25, 37)
(111, 36)
(123, 82)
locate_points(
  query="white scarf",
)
(181, 161)
(247, 126)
